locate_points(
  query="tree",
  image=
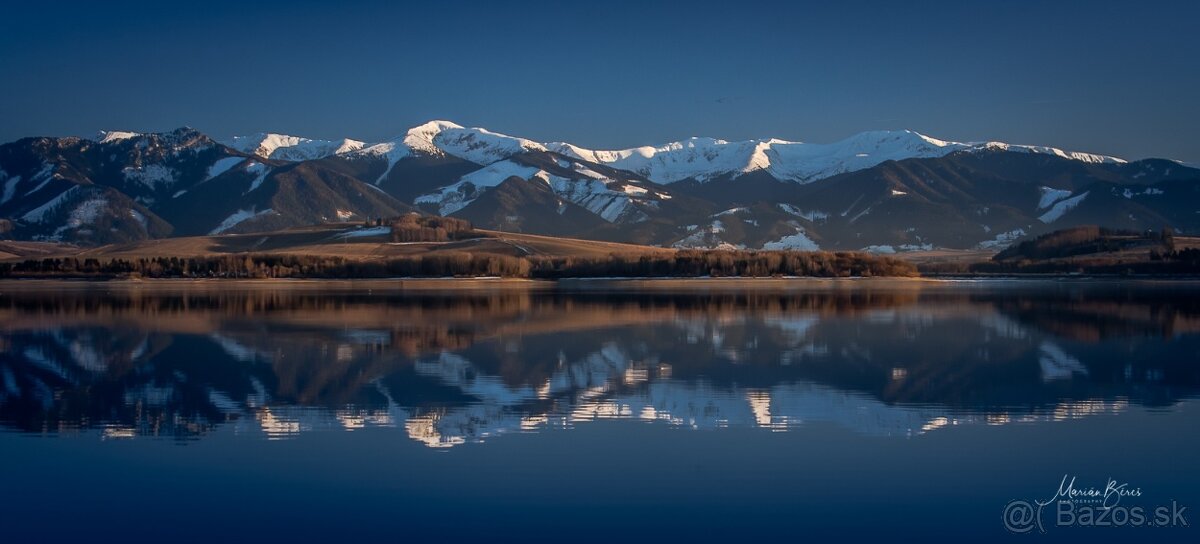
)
(1168, 239)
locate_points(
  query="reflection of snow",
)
(454, 370)
(277, 427)
(624, 378)
(1056, 364)
(367, 337)
(150, 395)
(87, 357)
(594, 392)
(233, 347)
(39, 357)
(795, 327)
(1003, 326)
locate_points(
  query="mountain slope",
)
(127, 186)
(882, 191)
(130, 173)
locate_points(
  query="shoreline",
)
(587, 284)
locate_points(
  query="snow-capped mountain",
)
(291, 148)
(126, 186)
(882, 191)
(476, 145)
(702, 159)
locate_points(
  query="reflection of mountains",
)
(454, 368)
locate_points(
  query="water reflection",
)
(455, 368)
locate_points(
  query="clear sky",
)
(1120, 78)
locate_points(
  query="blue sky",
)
(1108, 77)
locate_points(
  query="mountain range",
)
(881, 191)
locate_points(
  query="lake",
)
(782, 410)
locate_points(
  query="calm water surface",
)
(338, 412)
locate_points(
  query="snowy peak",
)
(698, 158)
(482, 146)
(156, 143)
(695, 158)
(291, 148)
(418, 139)
(1044, 150)
(703, 159)
(421, 137)
(805, 162)
(476, 145)
(110, 136)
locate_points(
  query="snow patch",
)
(261, 170)
(799, 241)
(37, 215)
(364, 233)
(222, 166)
(458, 195)
(150, 175)
(731, 211)
(1130, 193)
(595, 196)
(139, 217)
(1002, 240)
(236, 218)
(10, 187)
(811, 215)
(46, 175)
(85, 213)
(1050, 196)
(1062, 207)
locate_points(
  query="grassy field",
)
(1133, 252)
(353, 242)
(19, 251)
(333, 240)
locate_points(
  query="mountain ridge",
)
(882, 191)
(860, 150)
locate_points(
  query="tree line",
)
(1085, 240)
(1086, 250)
(684, 263)
(420, 228)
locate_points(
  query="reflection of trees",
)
(1092, 318)
(177, 364)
